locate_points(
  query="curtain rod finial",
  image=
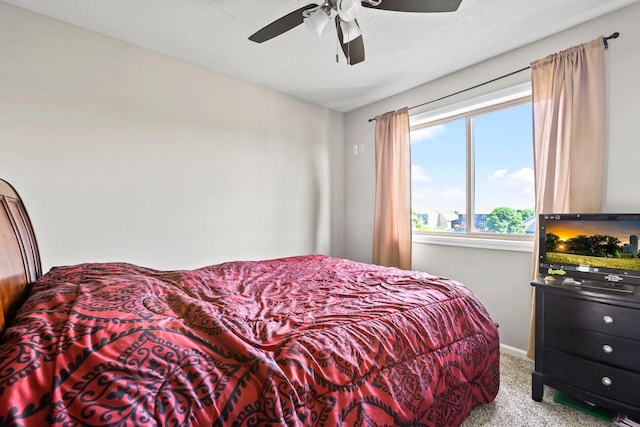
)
(606, 39)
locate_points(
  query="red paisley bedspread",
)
(310, 340)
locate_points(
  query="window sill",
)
(476, 242)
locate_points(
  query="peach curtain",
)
(392, 217)
(568, 119)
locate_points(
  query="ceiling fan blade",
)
(353, 50)
(421, 6)
(281, 25)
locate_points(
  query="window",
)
(475, 162)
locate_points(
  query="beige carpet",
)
(514, 407)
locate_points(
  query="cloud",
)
(418, 174)
(453, 193)
(440, 197)
(499, 174)
(523, 176)
(447, 199)
(426, 133)
(521, 181)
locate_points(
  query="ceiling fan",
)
(345, 14)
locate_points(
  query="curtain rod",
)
(604, 40)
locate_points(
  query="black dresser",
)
(588, 344)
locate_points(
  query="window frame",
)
(491, 102)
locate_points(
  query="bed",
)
(300, 341)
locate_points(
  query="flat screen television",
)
(584, 248)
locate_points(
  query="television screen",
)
(601, 247)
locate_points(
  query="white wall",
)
(122, 154)
(501, 278)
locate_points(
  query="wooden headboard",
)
(19, 256)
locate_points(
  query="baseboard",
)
(512, 351)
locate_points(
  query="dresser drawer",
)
(606, 381)
(606, 318)
(610, 349)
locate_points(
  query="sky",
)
(503, 163)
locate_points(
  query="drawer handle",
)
(607, 319)
(607, 348)
(607, 381)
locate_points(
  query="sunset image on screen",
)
(598, 244)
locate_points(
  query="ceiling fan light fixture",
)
(350, 31)
(317, 21)
(348, 10)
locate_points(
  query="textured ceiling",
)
(403, 50)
